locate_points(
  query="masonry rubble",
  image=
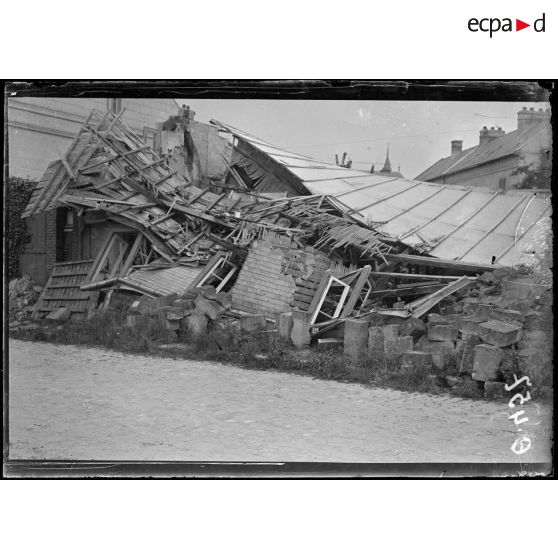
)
(201, 254)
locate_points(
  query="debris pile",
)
(23, 295)
(229, 253)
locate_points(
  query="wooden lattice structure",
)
(63, 290)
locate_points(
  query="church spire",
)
(387, 164)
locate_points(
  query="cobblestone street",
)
(71, 402)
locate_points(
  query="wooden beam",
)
(431, 261)
(421, 306)
(356, 290)
(415, 275)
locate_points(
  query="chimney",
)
(529, 117)
(456, 147)
(486, 135)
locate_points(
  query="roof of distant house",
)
(497, 148)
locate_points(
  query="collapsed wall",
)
(278, 275)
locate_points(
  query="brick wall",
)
(278, 276)
(261, 285)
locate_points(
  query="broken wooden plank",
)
(421, 306)
(356, 290)
(415, 275)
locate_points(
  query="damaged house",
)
(270, 232)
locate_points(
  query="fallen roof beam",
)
(431, 261)
(415, 275)
(421, 306)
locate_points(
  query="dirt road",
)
(78, 403)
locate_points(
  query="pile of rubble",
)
(470, 338)
(195, 312)
(23, 295)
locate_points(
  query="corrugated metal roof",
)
(449, 222)
(164, 281)
(497, 148)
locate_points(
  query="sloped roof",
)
(450, 222)
(497, 148)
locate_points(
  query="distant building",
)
(490, 164)
(40, 128)
(386, 169)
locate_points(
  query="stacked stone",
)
(191, 311)
(519, 319)
(23, 295)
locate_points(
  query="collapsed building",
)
(275, 232)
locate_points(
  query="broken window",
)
(217, 273)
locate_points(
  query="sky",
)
(418, 132)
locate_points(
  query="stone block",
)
(534, 339)
(414, 327)
(500, 334)
(355, 343)
(536, 321)
(436, 319)
(447, 307)
(197, 323)
(285, 324)
(495, 390)
(522, 289)
(184, 303)
(486, 360)
(520, 305)
(534, 363)
(300, 332)
(402, 344)
(210, 308)
(470, 340)
(437, 346)
(454, 319)
(59, 315)
(484, 312)
(417, 360)
(375, 340)
(471, 325)
(442, 333)
(252, 322)
(394, 320)
(508, 316)
(375, 320)
(391, 334)
(175, 315)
